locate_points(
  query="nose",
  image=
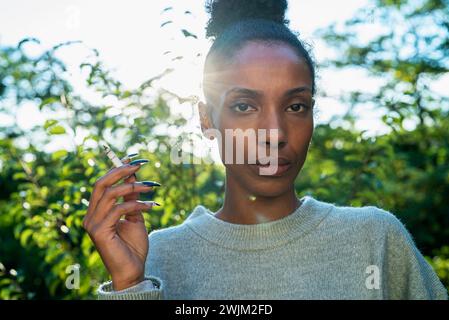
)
(275, 126)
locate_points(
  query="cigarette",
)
(115, 160)
(111, 155)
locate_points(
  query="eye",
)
(296, 107)
(242, 107)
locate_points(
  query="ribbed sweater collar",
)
(262, 235)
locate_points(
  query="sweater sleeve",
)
(149, 289)
(407, 274)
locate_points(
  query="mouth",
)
(272, 167)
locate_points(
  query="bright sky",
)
(130, 40)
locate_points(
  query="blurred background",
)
(74, 72)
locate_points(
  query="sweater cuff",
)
(149, 289)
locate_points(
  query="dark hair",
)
(235, 22)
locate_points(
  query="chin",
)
(267, 187)
(268, 192)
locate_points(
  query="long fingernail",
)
(138, 162)
(151, 183)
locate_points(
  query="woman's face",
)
(266, 87)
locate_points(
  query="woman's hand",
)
(121, 243)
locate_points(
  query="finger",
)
(132, 196)
(128, 157)
(106, 181)
(130, 209)
(110, 196)
(102, 183)
(136, 217)
(132, 177)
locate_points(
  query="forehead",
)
(262, 66)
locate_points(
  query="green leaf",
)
(57, 130)
(46, 101)
(19, 175)
(40, 171)
(49, 123)
(24, 236)
(93, 259)
(59, 154)
(126, 94)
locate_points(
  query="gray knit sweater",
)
(320, 251)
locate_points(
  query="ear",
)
(205, 118)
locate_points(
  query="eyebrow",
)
(257, 93)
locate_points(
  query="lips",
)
(272, 167)
(268, 161)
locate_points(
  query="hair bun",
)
(226, 12)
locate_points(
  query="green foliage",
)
(440, 262)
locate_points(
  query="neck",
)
(241, 207)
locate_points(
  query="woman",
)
(264, 243)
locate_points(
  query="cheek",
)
(224, 120)
(302, 130)
(227, 124)
(300, 135)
